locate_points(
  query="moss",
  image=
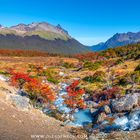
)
(92, 66)
(68, 65)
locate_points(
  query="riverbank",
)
(17, 124)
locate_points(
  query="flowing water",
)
(83, 117)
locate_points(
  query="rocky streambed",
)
(120, 113)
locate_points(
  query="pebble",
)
(13, 116)
(2, 108)
(20, 121)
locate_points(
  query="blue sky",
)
(89, 21)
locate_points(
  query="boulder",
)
(134, 120)
(100, 117)
(106, 109)
(91, 104)
(93, 110)
(126, 103)
(20, 102)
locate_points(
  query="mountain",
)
(97, 47)
(40, 36)
(119, 39)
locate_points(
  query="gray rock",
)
(91, 104)
(106, 109)
(93, 110)
(100, 118)
(134, 114)
(126, 103)
(98, 136)
(20, 101)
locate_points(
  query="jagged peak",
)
(39, 28)
(60, 28)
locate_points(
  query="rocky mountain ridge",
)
(119, 39)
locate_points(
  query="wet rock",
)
(106, 109)
(120, 123)
(88, 127)
(126, 103)
(91, 104)
(20, 101)
(93, 110)
(100, 118)
(116, 115)
(134, 118)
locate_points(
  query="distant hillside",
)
(40, 36)
(121, 39)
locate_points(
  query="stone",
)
(93, 110)
(88, 127)
(126, 103)
(98, 136)
(20, 101)
(134, 120)
(91, 104)
(61, 73)
(106, 109)
(100, 117)
(3, 78)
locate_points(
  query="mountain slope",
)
(16, 123)
(40, 36)
(121, 39)
(97, 47)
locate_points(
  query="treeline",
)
(125, 52)
(25, 53)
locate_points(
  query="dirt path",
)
(20, 125)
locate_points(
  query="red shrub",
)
(74, 98)
(19, 79)
(107, 94)
(33, 86)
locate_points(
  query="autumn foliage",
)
(74, 99)
(19, 79)
(107, 94)
(33, 86)
(26, 53)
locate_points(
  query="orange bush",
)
(33, 86)
(74, 98)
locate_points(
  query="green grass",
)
(47, 35)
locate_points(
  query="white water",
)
(82, 117)
(130, 122)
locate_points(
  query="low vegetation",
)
(99, 77)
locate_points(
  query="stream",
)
(82, 117)
(128, 122)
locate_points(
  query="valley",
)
(92, 93)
